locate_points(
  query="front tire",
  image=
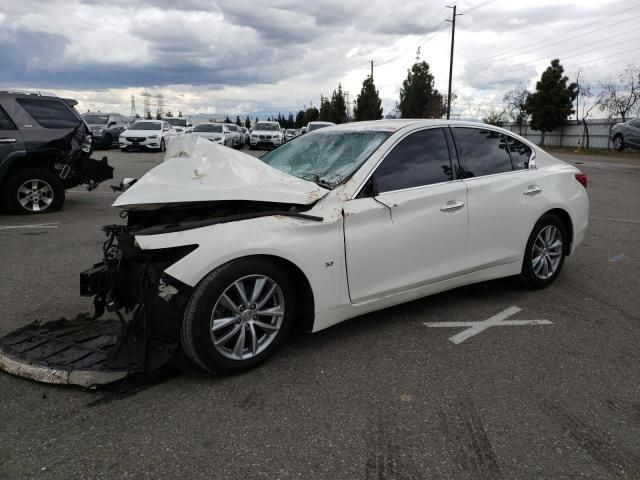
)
(618, 142)
(33, 191)
(545, 252)
(238, 316)
(163, 147)
(107, 142)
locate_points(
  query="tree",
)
(338, 106)
(516, 101)
(311, 115)
(367, 105)
(418, 97)
(493, 116)
(290, 121)
(300, 119)
(552, 102)
(247, 122)
(179, 113)
(325, 109)
(257, 120)
(238, 121)
(227, 120)
(168, 114)
(585, 91)
(619, 98)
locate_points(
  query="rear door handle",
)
(532, 190)
(7, 140)
(452, 205)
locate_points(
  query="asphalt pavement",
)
(381, 396)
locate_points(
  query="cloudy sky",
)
(238, 56)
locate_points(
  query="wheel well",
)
(568, 225)
(305, 308)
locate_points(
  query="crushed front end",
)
(134, 329)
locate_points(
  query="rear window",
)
(49, 113)
(208, 128)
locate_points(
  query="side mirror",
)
(111, 124)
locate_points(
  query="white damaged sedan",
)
(224, 253)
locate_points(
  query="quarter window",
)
(49, 113)
(5, 121)
(481, 152)
(520, 153)
(420, 159)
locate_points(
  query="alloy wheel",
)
(547, 252)
(35, 195)
(247, 317)
(617, 143)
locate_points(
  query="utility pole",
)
(453, 35)
(371, 69)
(578, 98)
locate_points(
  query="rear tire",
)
(33, 191)
(618, 142)
(163, 147)
(201, 342)
(545, 252)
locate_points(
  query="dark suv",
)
(105, 127)
(45, 147)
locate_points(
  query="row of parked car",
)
(109, 129)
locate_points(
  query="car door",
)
(11, 141)
(504, 195)
(632, 133)
(408, 226)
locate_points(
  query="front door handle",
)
(451, 206)
(8, 140)
(532, 190)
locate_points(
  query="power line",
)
(566, 67)
(599, 21)
(529, 63)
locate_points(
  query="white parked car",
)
(214, 132)
(334, 224)
(147, 134)
(236, 135)
(245, 135)
(311, 126)
(266, 135)
(180, 124)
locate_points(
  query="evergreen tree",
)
(418, 97)
(247, 122)
(238, 121)
(368, 104)
(552, 102)
(325, 109)
(227, 120)
(338, 106)
(290, 121)
(311, 115)
(257, 120)
(300, 119)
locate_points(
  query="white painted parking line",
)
(609, 219)
(474, 328)
(35, 225)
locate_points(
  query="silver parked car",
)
(236, 135)
(626, 134)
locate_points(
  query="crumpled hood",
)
(197, 170)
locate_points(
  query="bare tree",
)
(620, 98)
(586, 92)
(494, 116)
(515, 100)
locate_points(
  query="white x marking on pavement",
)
(474, 328)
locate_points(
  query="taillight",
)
(582, 178)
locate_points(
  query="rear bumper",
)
(152, 144)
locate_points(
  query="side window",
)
(420, 159)
(635, 123)
(5, 121)
(49, 113)
(520, 153)
(481, 152)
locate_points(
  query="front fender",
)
(316, 248)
